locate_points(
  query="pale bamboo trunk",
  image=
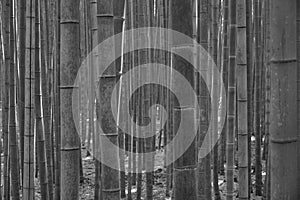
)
(231, 101)
(204, 171)
(69, 61)
(283, 118)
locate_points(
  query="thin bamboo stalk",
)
(5, 100)
(57, 106)
(13, 146)
(21, 99)
(28, 176)
(45, 97)
(250, 69)
(215, 93)
(39, 126)
(231, 101)
(258, 105)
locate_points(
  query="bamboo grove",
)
(51, 151)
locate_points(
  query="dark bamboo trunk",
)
(298, 81)
(249, 85)
(258, 105)
(186, 166)
(109, 176)
(5, 100)
(21, 99)
(56, 107)
(242, 99)
(46, 97)
(13, 146)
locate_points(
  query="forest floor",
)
(87, 187)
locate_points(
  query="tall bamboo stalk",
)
(46, 101)
(119, 18)
(185, 167)
(268, 100)
(283, 118)
(127, 66)
(69, 61)
(242, 100)
(56, 104)
(109, 176)
(5, 96)
(258, 105)
(40, 137)
(13, 150)
(215, 93)
(225, 79)
(28, 176)
(249, 85)
(231, 100)
(21, 99)
(204, 174)
(298, 85)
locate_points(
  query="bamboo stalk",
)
(298, 81)
(231, 101)
(283, 118)
(215, 93)
(204, 171)
(5, 96)
(225, 79)
(184, 167)
(45, 98)
(242, 100)
(109, 176)
(21, 101)
(13, 147)
(258, 105)
(40, 137)
(250, 69)
(28, 176)
(57, 106)
(69, 60)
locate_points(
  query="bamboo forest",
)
(149, 99)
